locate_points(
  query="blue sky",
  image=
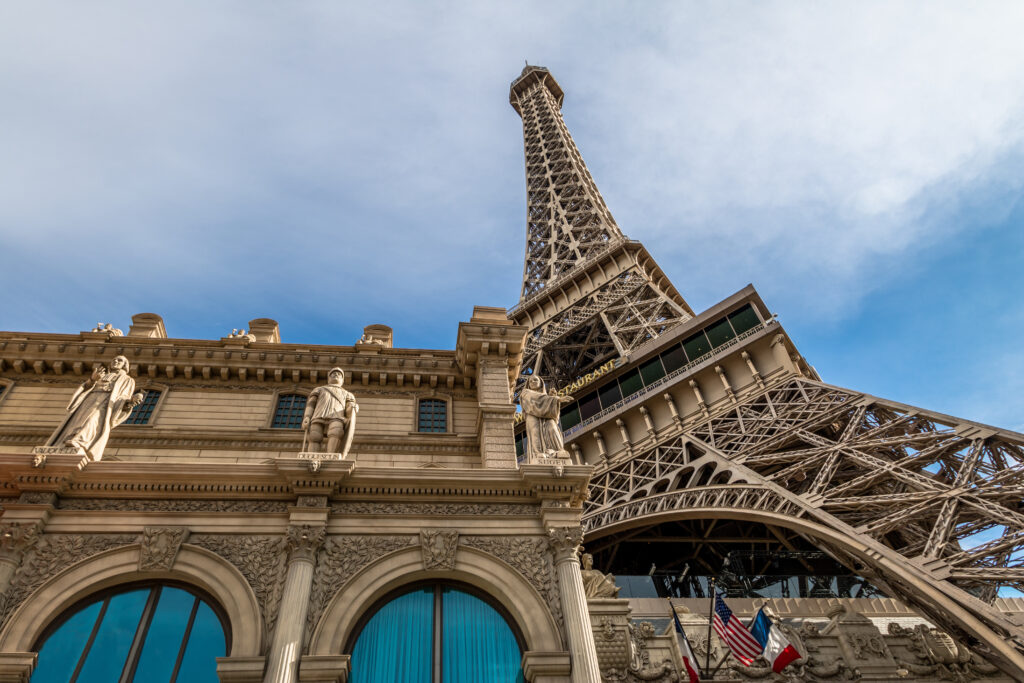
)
(332, 165)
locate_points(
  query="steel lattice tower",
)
(741, 433)
(589, 295)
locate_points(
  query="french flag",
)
(689, 661)
(777, 648)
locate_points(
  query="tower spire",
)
(589, 294)
(567, 219)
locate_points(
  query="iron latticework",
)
(925, 506)
(611, 295)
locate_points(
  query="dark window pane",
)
(433, 415)
(719, 332)
(110, 649)
(570, 416)
(696, 346)
(651, 371)
(589, 405)
(744, 319)
(609, 394)
(288, 414)
(166, 631)
(519, 445)
(205, 644)
(631, 383)
(141, 413)
(59, 655)
(673, 359)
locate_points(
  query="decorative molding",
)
(49, 555)
(173, 505)
(565, 541)
(435, 509)
(304, 540)
(338, 560)
(261, 559)
(531, 557)
(439, 546)
(311, 501)
(159, 547)
(38, 498)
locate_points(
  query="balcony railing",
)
(669, 378)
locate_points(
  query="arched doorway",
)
(435, 633)
(135, 632)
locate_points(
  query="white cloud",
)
(218, 146)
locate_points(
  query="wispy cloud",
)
(333, 165)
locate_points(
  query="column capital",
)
(565, 541)
(16, 537)
(304, 540)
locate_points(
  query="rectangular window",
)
(631, 383)
(696, 346)
(288, 414)
(609, 394)
(744, 319)
(589, 405)
(570, 416)
(433, 415)
(651, 371)
(674, 358)
(519, 446)
(719, 332)
(144, 411)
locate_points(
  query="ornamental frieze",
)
(261, 559)
(338, 560)
(437, 509)
(169, 505)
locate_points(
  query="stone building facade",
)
(138, 469)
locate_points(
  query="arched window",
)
(142, 413)
(135, 633)
(288, 414)
(437, 633)
(433, 415)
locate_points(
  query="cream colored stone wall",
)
(214, 411)
(34, 405)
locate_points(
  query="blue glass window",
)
(288, 414)
(433, 415)
(436, 634)
(144, 411)
(151, 633)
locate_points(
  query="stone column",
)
(15, 539)
(565, 543)
(286, 649)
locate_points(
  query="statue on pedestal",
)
(330, 415)
(596, 583)
(543, 432)
(101, 403)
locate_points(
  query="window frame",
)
(6, 385)
(58, 620)
(151, 386)
(449, 417)
(438, 586)
(278, 393)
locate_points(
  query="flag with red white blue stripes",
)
(731, 630)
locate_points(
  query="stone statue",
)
(331, 412)
(543, 433)
(102, 402)
(596, 583)
(109, 329)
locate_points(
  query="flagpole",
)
(711, 616)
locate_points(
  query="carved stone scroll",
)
(439, 546)
(261, 559)
(160, 546)
(528, 556)
(49, 555)
(339, 559)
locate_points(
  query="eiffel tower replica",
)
(719, 451)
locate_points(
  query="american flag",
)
(730, 628)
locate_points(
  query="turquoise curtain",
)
(479, 646)
(396, 644)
